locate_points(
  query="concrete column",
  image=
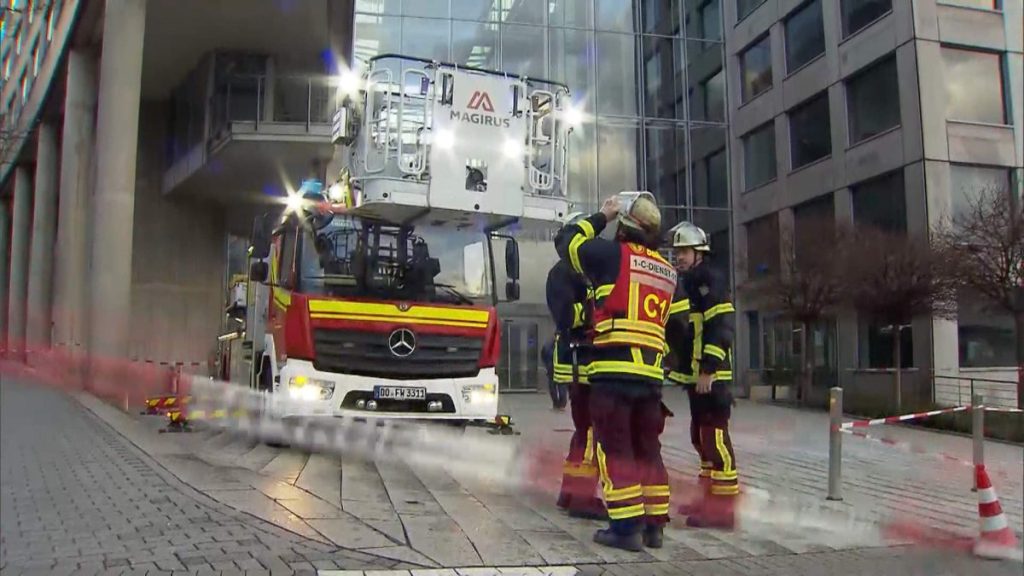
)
(20, 229)
(5, 221)
(76, 170)
(113, 209)
(44, 224)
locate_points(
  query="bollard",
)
(835, 444)
(978, 432)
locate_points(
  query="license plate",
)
(399, 393)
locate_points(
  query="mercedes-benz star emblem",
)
(402, 342)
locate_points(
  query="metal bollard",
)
(835, 444)
(978, 432)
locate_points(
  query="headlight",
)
(479, 393)
(304, 388)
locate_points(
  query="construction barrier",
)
(903, 418)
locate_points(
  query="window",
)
(759, 156)
(717, 182)
(881, 203)
(974, 86)
(711, 20)
(745, 7)
(475, 44)
(969, 182)
(713, 92)
(614, 15)
(426, 38)
(658, 16)
(873, 101)
(876, 349)
(666, 161)
(763, 246)
(756, 68)
(858, 14)
(572, 13)
(617, 150)
(986, 336)
(426, 8)
(662, 86)
(805, 35)
(286, 258)
(616, 77)
(813, 224)
(810, 131)
(522, 50)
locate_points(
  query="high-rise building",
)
(140, 137)
(887, 113)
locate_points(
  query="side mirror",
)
(260, 239)
(258, 272)
(512, 259)
(511, 291)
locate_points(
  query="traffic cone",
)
(997, 540)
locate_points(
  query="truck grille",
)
(368, 354)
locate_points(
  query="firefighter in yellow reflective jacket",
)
(704, 364)
(571, 306)
(633, 287)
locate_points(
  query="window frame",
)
(803, 106)
(790, 70)
(744, 97)
(860, 75)
(740, 16)
(747, 186)
(847, 34)
(1005, 102)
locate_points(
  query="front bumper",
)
(473, 398)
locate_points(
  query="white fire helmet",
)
(688, 235)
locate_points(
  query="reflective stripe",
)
(681, 378)
(994, 523)
(618, 495)
(603, 291)
(623, 367)
(588, 452)
(631, 325)
(574, 252)
(722, 375)
(718, 310)
(623, 338)
(724, 476)
(722, 450)
(577, 315)
(656, 509)
(656, 491)
(680, 306)
(587, 228)
(987, 495)
(579, 470)
(625, 512)
(730, 490)
(716, 351)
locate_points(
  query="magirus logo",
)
(480, 100)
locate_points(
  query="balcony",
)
(254, 132)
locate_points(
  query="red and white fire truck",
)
(376, 296)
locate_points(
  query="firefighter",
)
(569, 301)
(704, 360)
(633, 288)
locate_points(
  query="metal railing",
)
(261, 99)
(968, 386)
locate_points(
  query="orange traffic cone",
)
(997, 540)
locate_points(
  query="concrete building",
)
(140, 137)
(878, 112)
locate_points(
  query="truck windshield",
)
(425, 263)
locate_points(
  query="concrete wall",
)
(178, 262)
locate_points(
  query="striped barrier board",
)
(902, 418)
(156, 405)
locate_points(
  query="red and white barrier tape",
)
(907, 447)
(903, 418)
(1009, 410)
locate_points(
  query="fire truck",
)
(376, 295)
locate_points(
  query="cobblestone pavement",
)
(99, 500)
(75, 497)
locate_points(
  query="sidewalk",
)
(395, 517)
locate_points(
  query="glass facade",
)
(653, 88)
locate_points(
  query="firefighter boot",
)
(694, 506)
(630, 540)
(718, 512)
(654, 535)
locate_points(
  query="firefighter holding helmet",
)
(633, 289)
(702, 356)
(570, 301)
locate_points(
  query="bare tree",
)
(986, 242)
(807, 287)
(891, 278)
